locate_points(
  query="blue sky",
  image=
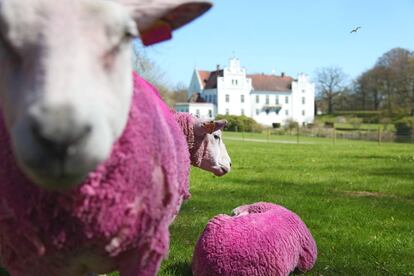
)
(291, 36)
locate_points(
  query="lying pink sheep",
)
(260, 239)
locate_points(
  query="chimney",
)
(218, 67)
(282, 74)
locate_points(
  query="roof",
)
(203, 77)
(209, 79)
(262, 82)
(196, 98)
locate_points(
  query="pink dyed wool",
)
(117, 219)
(260, 239)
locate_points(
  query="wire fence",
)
(298, 134)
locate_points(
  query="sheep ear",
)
(210, 126)
(157, 19)
(219, 124)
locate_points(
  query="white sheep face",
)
(219, 162)
(65, 84)
(215, 157)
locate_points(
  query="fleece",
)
(116, 219)
(197, 145)
(260, 239)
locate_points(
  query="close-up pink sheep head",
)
(65, 77)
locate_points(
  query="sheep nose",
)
(59, 142)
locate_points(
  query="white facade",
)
(201, 110)
(233, 92)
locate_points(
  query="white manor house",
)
(267, 99)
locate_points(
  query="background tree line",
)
(151, 72)
(387, 87)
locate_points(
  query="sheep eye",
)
(216, 137)
(109, 57)
(130, 31)
(128, 36)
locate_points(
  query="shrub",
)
(240, 123)
(276, 125)
(385, 122)
(291, 125)
(404, 129)
(355, 122)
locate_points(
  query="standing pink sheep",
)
(93, 164)
(117, 218)
(260, 239)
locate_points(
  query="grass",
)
(357, 199)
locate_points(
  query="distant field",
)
(357, 198)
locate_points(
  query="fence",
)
(295, 134)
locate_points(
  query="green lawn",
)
(357, 199)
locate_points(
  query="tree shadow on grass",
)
(394, 172)
(179, 268)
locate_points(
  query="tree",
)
(398, 80)
(152, 73)
(180, 93)
(389, 85)
(330, 84)
(372, 86)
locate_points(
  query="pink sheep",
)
(117, 218)
(93, 164)
(260, 239)
(206, 148)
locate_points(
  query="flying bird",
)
(356, 29)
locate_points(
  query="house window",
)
(286, 99)
(210, 113)
(287, 112)
(227, 111)
(242, 111)
(303, 112)
(257, 112)
(267, 99)
(198, 112)
(257, 98)
(303, 100)
(227, 98)
(242, 98)
(277, 99)
(303, 90)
